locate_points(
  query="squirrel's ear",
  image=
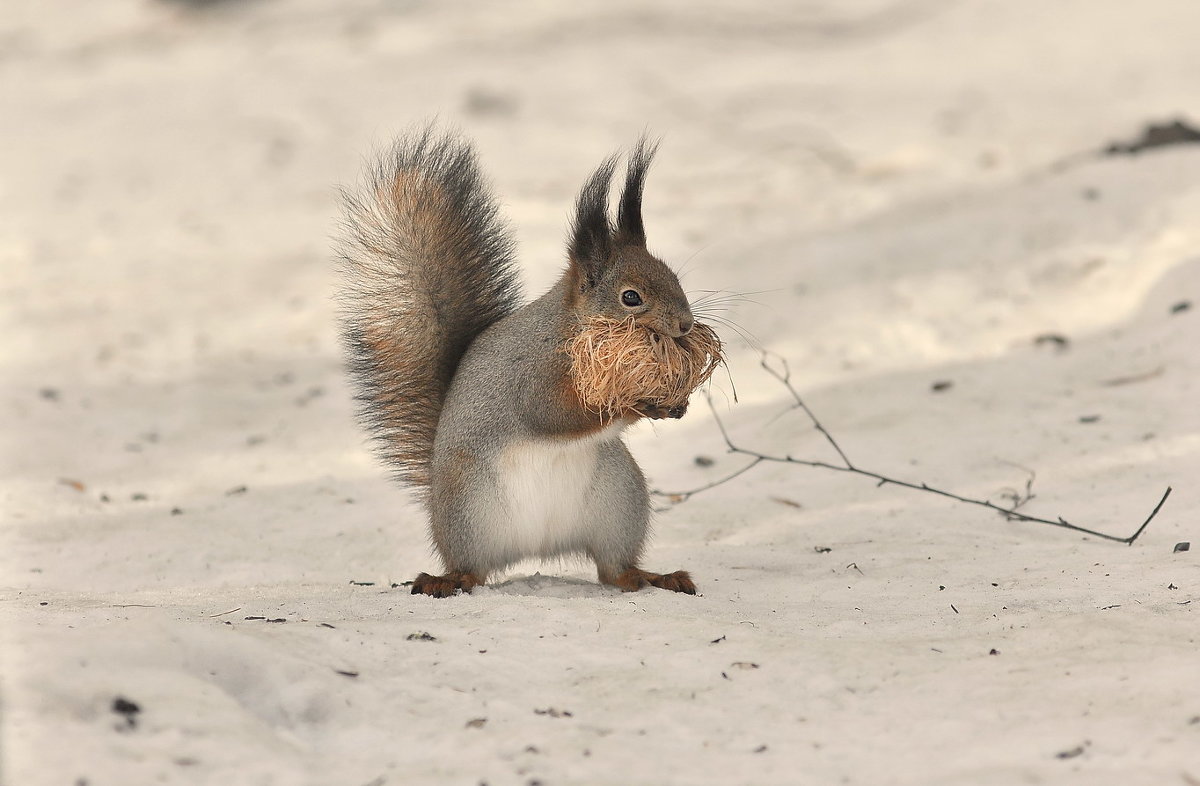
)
(591, 234)
(629, 213)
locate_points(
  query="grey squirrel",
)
(469, 394)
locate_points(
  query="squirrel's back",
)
(426, 267)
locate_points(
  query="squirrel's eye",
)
(631, 298)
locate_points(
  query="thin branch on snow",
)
(783, 375)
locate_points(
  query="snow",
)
(908, 192)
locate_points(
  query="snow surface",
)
(909, 190)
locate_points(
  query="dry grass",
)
(618, 364)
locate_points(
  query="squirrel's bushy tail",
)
(426, 266)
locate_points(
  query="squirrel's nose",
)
(685, 326)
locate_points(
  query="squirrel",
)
(468, 393)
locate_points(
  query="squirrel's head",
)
(612, 272)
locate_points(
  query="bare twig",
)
(1019, 498)
(783, 374)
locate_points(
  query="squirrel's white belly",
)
(545, 486)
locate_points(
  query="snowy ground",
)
(911, 190)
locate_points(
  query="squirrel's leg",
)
(621, 505)
(450, 520)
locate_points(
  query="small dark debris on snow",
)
(346, 673)
(941, 587)
(361, 583)
(941, 385)
(1070, 754)
(822, 549)
(1181, 307)
(761, 749)
(717, 640)
(401, 584)
(993, 651)
(489, 102)
(476, 723)
(255, 618)
(44, 603)
(553, 713)
(1129, 379)
(199, 5)
(1113, 606)
(1089, 418)
(954, 607)
(1182, 545)
(1091, 194)
(422, 636)
(325, 625)
(105, 498)
(138, 497)
(49, 394)
(1176, 132)
(236, 490)
(1194, 720)
(264, 619)
(791, 503)
(126, 709)
(308, 395)
(78, 485)
(1172, 586)
(1057, 340)
(724, 675)
(703, 461)
(743, 664)
(176, 511)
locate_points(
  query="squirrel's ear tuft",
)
(629, 213)
(591, 234)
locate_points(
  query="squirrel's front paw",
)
(656, 412)
(648, 410)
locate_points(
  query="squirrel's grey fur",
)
(468, 394)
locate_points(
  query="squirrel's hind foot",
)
(445, 586)
(635, 579)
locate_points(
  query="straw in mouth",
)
(617, 365)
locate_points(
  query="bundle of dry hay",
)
(618, 364)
